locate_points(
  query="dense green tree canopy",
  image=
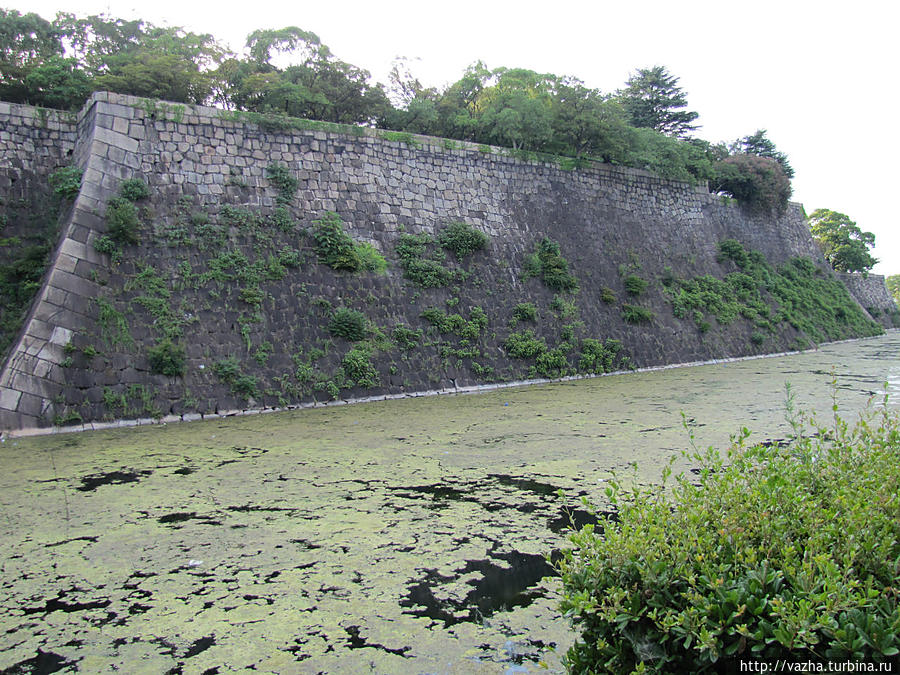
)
(26, 42)
(843, 243)
(893, 285)
(759, 144)
(760, 182)
(653, 99)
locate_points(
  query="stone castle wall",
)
(197, 161)
(871, 292)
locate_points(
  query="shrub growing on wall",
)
(462, 239)
(420, 264)
(525, 311)
(634, 285)
(134, 190)
(334, 246)
(348, 324)
(759, 182)
(337, 249)
(66, 181)
(122, 221)
(548, 263)
(167, 358)
(358, 368)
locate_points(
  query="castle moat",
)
(402, 536)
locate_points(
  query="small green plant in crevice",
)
(289, 257)
(469, 329)
(305, 369)
(405, 337)
(134, 190)
(547, 263)
(113, 325)
(229, 371)
(122, 221)
(552, 363)
(525, 311)
(66, 182)
(67, 418)
(462, 239)
(731, 249)
(167, 358)
(115, 402)
(422, 263)
(263, 352)
(607, 295)
(334, 246)
(634, 314)
(241, 218)
(142, 401)
(330, 387)
(564, 308)
(349, 324)
(281, 219)
(156, 299)
(252, 295)
(284, 181)
(634, 285)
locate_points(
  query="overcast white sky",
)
(821, 77)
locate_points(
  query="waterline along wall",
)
(210, 292)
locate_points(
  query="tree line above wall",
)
(646, 124)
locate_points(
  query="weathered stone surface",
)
(196, 160)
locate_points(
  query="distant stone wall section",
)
(35, 140)
(605, 217)
(33, 143)
(871, 292)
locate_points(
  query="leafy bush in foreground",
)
(782, 551)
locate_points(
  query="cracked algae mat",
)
(404, 536)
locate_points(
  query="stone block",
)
(31, 405)
(9, 398)
(61, 336)
(66, 262)
(73, 284)
(115, 139)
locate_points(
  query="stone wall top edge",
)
(39, 116)
(220, 115)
